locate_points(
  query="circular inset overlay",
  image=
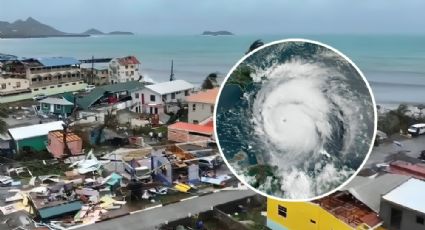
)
(295, 120)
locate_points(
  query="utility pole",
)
(92, 70)
(172, 71)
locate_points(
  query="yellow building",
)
(301, 215)
(335, 212)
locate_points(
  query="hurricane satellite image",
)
(295, 119)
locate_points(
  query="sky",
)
(238, 16)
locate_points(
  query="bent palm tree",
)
(255, 45)
(210, 81)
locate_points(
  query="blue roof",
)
(58, 61)
(46, 213)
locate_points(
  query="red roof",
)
(129, 60)
(405, 168)
(192, 127)
(208, 96)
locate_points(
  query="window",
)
(152, 97)
(137, 95)
(44, 88)
(281, 211)
(18, 84)
(193, 107)
(420, 220)
(74, 83)
(46, 106)
(36, 89)
(59, 86)
(173, 96)
(186, 93)
(132, 73)
(212, 109)
(3, 86)
(52, 86)
(164, 97)
(126, 66)
(195, 122)
(66, 84)
(58, 107)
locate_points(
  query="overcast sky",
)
(238, 16)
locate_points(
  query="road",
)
(411, 146)
(151, 219)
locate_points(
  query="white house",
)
(153, 97)
(201, 105)
(124, 69)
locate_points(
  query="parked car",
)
(210, 162)
(89, 88)
(40, 96)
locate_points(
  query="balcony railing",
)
(50, 70)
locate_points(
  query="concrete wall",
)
(66, 87)
(157, 161)
(301, 215)
(13, 84)
(122, 74)
(184, 136)
(199, 112)
(408, 217)
(56, 147)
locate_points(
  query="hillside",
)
(30, 28)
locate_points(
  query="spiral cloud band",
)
(295, 120)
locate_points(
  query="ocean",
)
(393, 64)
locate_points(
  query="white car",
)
(416, 129)
(89, 88)
(40, 96)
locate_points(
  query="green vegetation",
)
(400, 118)
(256, 44)
(261, 173)
(241, 76)
(3, 114)
(210, 81)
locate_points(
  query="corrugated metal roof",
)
(58, 61)
(97, 66)
(128, 60)
(207, 96)
(370, 190)
(35, 130)
(170, 86)
(409, 194)
(70, 137)
(56, 101)
(88, 100)
(58, 210)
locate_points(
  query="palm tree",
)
(210, 81)
(255, 45)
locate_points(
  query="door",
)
(143, 98)
(150, 110)
(395, 220)
(156, 110)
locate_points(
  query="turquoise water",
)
(394, 64)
